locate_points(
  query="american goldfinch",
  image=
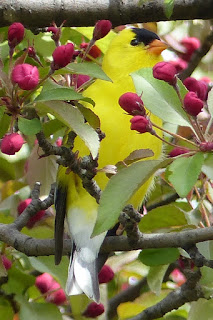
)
(129, 51)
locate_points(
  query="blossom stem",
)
(175, 135)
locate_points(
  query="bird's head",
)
(131, 50)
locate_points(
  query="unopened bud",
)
(178, 151)
(192, 104)
(93, 310)
(132, 104)
(106, 274)
(102, 28)
(11, 143)
(165, 71)
(197, 86)
(62, 56)
(15, 34)
(26, 76)
(141, 124)
(191, 44)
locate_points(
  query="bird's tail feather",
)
(82, 277)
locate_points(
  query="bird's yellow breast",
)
(119, 61)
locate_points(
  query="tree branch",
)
(41, 13)
(41, 247)
(189, 291)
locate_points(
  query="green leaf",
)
(128, 310)
(210, 102)
(4, 124)
(18, 281)
(74, 120)
(201, 309)
(183, 173)
(168, 216)
(90, 116)
(88, 68)
(168, 7)
(194, 216)
(58, 94)
(47, 264)
(6, 310)
(156, 257)
(120, 189)
(155, 278)
(29, 127)
(160, 98)
(51, 127)
(206, 249)
(35, 311)
(7, 170)
(207, 167)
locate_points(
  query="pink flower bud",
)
(35, 218)
(59, 142)
(178, 277)
(141, 124)
(26, 76)
(44, 282)
(165, 71)
(192, 104)
(58, 296)
(81, 79)
(178, 151)
(6, 262)
(52, 29)
(206, 146)
(94, 52)
(11, 143)
(132, 103)
(102, 28)
(93, 310)
(191, 44)
(179, 64)
(199, 87)
(206, 80)
(62, 56)
(15, 34)
(106, 274)
(31, 52)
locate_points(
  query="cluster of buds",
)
(51, 289)
(37, 217)
(194, 100)
(133, 105)
(189, 46)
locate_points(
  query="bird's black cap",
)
(143, 35)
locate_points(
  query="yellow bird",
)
(129, 51)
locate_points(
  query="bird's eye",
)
(134, 42)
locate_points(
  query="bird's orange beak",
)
(156, 47)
